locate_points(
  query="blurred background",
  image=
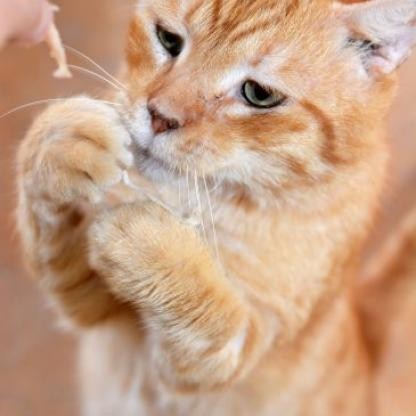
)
(37, 365)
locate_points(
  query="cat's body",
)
(269, 325)
(331, 339)
(286, 382)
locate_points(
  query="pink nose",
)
(160, 123)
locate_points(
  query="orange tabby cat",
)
(266, 119)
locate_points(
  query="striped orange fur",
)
(248, 308)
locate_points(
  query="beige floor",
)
(37, 375)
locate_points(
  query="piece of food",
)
(57, 52)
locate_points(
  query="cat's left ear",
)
(385, 29)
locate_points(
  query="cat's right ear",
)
(386, 29)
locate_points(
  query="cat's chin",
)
(152, 167)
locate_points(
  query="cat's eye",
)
(172, 42)
(261, 97)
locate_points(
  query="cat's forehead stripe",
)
(239, 19)
(261, 26)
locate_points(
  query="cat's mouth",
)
(146, 162)
(155, 155)
(152, 166)
(147, 157)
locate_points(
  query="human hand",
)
(24, 21)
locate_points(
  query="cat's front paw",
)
(155, 263)
(135, 246)
(75, 151)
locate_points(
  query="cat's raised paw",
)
(130, 244)
(81, 151)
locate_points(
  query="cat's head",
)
(266, 96)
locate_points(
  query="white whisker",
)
(198, 198)
(215, 187)
(127, 182)
(214, 231)
(34, 103)
(44, 101)
(188, 187)
(94, 74)
(91, 61)
(180, 187)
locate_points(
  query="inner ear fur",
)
(388, 26)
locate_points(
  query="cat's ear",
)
(385, 30)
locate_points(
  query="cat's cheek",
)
(139, 125)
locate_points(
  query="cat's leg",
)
(74, 150)
(205, 333)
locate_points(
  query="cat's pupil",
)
(172, 42)
(170, 38)
(260, 93)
